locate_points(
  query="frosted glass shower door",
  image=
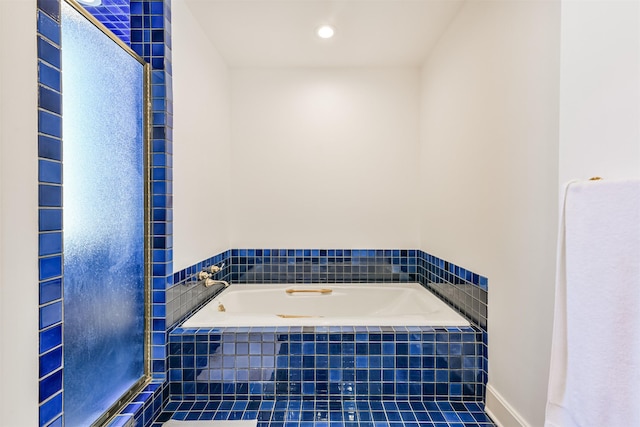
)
(104, 217)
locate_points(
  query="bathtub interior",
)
(372, 304)
(357, 300)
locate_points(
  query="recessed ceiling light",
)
(326, 32)
(91, 2)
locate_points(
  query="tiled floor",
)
(296, 413)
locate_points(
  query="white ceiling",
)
(281, 33)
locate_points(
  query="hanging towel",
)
(594, 378)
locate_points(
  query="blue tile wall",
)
(323, 265)
(462, 289)
(50, 212)
(151, 39)
(333, 363)
(150, 31)
(115, 15)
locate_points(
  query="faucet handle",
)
(215, 268)
(202, 275)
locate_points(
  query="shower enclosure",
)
(105, 238)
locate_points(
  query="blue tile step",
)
(323, 413)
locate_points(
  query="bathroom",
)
(485, 132)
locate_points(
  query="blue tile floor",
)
(323, 413)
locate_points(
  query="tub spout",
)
(211, 282)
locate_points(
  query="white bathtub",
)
(360, 304)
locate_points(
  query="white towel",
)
(215, 423)
(594, 377)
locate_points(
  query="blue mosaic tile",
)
(50, 315)
(49, 76)
(50, 219)
(280, 368)
(322, 266)
(50, 291)
(49, 243)
(114, 15)
(49, 53)
(317, 413)
(50, 148)
(50, 385)
(50, 338)
(462, 289)
(48, 27)
(51, 361)
(50, 171)
(51, 8)
(120, 421)
(144, 407)
(50, 267)
(50, 100)
(49, 124)
(51, 408)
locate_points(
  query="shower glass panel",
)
(104, 217)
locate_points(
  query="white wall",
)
(324, 158)
(18, 215)
(201, 147)
(600, 90)
(489, 170)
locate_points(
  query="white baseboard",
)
(501, 412)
